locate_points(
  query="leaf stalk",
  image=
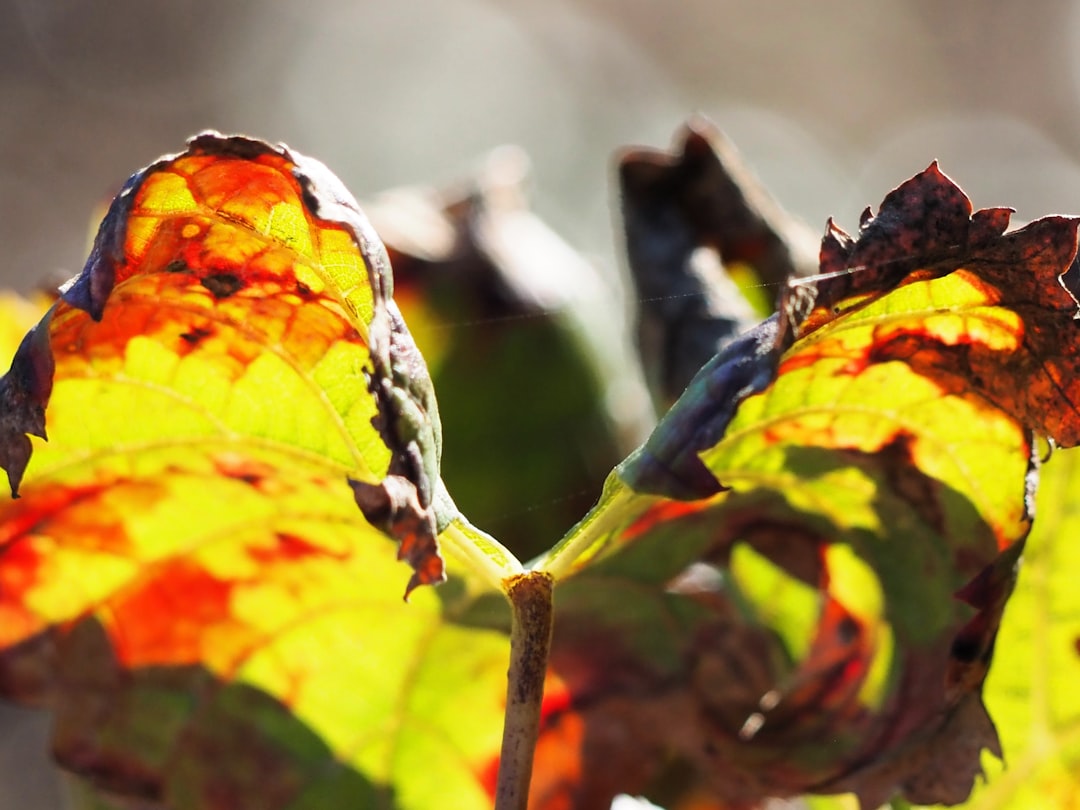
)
(530, 596)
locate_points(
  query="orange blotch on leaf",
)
(172, 617)
(661, 513)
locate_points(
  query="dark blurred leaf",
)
(509, 318)
(694, 222)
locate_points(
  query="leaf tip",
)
(393, 507)
(24, 395)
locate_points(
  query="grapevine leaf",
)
(185, 666)
(795, 584)
(233, 273)
(707, 189)
(969, 307)
(186, 577)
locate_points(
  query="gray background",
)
(833, 104)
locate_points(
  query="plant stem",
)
(480, 552)
(530, 598)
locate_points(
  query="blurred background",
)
(831, 103)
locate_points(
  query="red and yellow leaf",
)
(864, 457)
(186, 577)
(794, 586)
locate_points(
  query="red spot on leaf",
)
(195, 336)
(222, 285)
(258, 474)
(661, 513)
(557, 782)
(829, 678)
(289, 548)
(488, 776)
(165, 618)
(39, 507)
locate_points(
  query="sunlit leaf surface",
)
(801, 574)
(197, 575)
(794, 586)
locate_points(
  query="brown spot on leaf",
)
(257, 474)
(905, 478)
(195, 336)
(847, 630)
(222, 285)
(966, 649)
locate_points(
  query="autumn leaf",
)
(795, 585)
(186, 577)
(210, 259)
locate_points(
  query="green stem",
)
(591, 535)
(531, 604)
(483, 554)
